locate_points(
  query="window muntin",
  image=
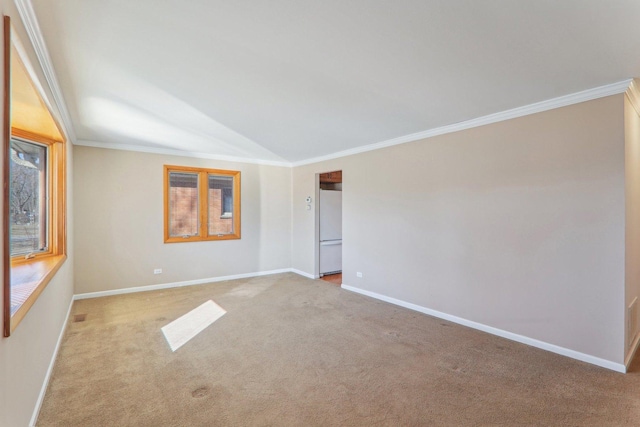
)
(201, 204)
(29, 189)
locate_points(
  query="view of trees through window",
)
(28, 207)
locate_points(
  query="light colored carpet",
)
(295, 351)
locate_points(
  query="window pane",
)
(28, 197)
(220, 209)
(183, 204)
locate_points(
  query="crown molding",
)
(633, 93)
(538, 107)
(629, 86)
(30, 21)
(171, 152)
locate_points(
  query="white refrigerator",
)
(330, 231)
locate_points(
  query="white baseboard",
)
(303, 273)
(181, 284)
(475, 325)
(618, 367)
(47, 377)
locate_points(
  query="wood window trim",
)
(6, 141)
(55, 191)
(203, 185)
(38, 271)
(33, 273)
(57, 151)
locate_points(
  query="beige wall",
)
(632, 243)
(119, 223)
(25, 356)
(517, 225)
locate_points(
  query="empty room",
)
(320, 213)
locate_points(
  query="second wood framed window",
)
(201, 204)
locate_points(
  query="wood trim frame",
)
(42, 268)
(41, 272)
(35, 272)
(6, 141)
(56, 162)
(203, 203)
(49, 171)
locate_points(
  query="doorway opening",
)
(330, 226)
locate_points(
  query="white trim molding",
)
(47, 376)
(303, 273)
(28, 16)
(171, 152)
(176, 284)
(27, 13)
(618, 367)
(538, 107)
(627, 86)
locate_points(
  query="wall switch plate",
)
(157, 271)
(358, 274)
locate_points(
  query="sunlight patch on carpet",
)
(181, 330)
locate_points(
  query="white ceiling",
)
(292, 80)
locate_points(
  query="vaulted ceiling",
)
(289, 80)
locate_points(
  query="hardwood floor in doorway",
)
(336, 279)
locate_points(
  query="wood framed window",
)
(201, 204)
(34, 195)
(37, 226)
(30, 186)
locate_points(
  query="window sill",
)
(202, 239)
(28, 280)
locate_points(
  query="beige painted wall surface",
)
(25, 356)
(517, 225)
(119, 223)
(632, 242)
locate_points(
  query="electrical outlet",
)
(358, 274)
(157, 271)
